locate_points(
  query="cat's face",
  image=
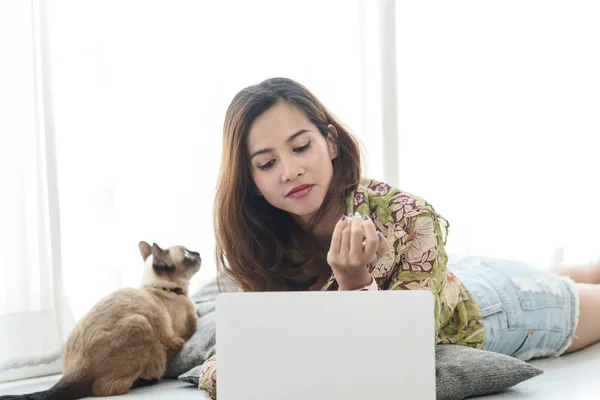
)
(175, 264)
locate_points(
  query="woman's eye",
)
(302, 148)
(266, 165)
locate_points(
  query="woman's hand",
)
(354, 244)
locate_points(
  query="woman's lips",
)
(300, 192)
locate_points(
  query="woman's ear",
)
(332, 142)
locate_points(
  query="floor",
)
(167, 389)
(572, 377)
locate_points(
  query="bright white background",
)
(496, 116)
(499, 120)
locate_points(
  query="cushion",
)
(201, 345)
(463, 372)
(192, 376)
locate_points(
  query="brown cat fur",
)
(127, 338)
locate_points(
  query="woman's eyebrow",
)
(292, 137)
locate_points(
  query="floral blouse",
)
(416, 259)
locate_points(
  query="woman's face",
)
(290, 160)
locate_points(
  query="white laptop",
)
(326, 345)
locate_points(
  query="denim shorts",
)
(527, 313)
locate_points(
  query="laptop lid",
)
(326, 345)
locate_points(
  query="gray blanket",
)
(202, 345)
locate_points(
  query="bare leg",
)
(588, 328)
(585, 273)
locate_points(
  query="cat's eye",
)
(194, 253)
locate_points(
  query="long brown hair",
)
(260, 247)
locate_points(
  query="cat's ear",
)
(145, 249)
(157, 252)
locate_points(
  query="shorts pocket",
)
(495, 323)
(491, 310)
(513, 342)
(535, 288)
(525, 346)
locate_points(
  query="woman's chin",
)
(303, 216)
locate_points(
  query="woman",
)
(293, 213)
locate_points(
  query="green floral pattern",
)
(416, 260)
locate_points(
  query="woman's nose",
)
(291, 169)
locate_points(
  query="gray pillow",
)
(201, 345)
(461, 372)
(192, 376)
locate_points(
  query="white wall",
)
(499, 123)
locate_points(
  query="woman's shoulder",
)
(387, 205)
(373, 194)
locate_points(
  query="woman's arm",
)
(208, 377)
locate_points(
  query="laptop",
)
(326, 345)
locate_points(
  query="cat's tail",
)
(63, 390)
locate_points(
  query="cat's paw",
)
(175, 343)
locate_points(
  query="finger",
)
(345, 243)
(371, 239)
(356, 238)
(336, 238)
(382, 245)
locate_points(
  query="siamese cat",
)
(128, 337)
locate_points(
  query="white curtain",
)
(112, 135)
(35, 314)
